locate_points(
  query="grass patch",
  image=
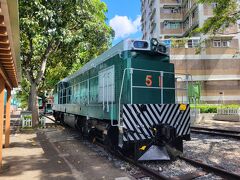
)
(212, 108)
(27, 130)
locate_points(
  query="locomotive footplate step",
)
(155, 153)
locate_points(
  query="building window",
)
(216, 43)
(221, 43)
(171, 10)
(192, 43)
(175, 10)
(171, 25)
(225, 43)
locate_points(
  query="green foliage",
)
(211, 108)
(225, 14)
(22, 96)
(58, 37)
(207, 108)
(178, 43)
(27, 117)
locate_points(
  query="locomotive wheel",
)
(92, 135)
(61, 118)
(111, 139)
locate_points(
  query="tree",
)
(225, 14)
(22, 95)
(59, 33)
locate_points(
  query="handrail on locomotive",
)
(179, 77)
(188, 80)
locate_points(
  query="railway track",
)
(53, 120)
(148, 172)
(153, 174)
(216, 132)
(209, 168)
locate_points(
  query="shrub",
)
(212, 108)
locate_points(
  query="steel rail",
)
(209, 168)
(150, 172)
(57, 123)
(216, 132)
(147, 171)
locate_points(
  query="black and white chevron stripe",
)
(137, 123)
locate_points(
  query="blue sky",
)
(124, 17)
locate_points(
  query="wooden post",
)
(2, 87)
(7, 122)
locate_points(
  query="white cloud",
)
(123, 26)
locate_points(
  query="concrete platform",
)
(55, 153)
(218, 124)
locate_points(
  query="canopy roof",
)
(9, 42)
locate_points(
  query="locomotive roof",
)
(124, 45)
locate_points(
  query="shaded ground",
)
(55, 153)
(228, 125)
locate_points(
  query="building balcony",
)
(171, 31)
(151, 2)
(182, 51)
(171, 2)
(222, 50)
(188, 10)
(177, 32)
(189, 27)
(171, 16)
(195, 21)
(231, 31)
(153, 13)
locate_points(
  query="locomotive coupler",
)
(163, 135)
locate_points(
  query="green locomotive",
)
(126, 97)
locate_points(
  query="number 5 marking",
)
(148, 80)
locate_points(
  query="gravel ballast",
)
(214, 150)
(217, 151)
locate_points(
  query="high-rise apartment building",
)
(216, 66)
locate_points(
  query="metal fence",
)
(228, 111)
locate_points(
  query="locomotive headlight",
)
(154, 44)
(154, 41)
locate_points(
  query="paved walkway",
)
(55, 154)
(228, 125)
